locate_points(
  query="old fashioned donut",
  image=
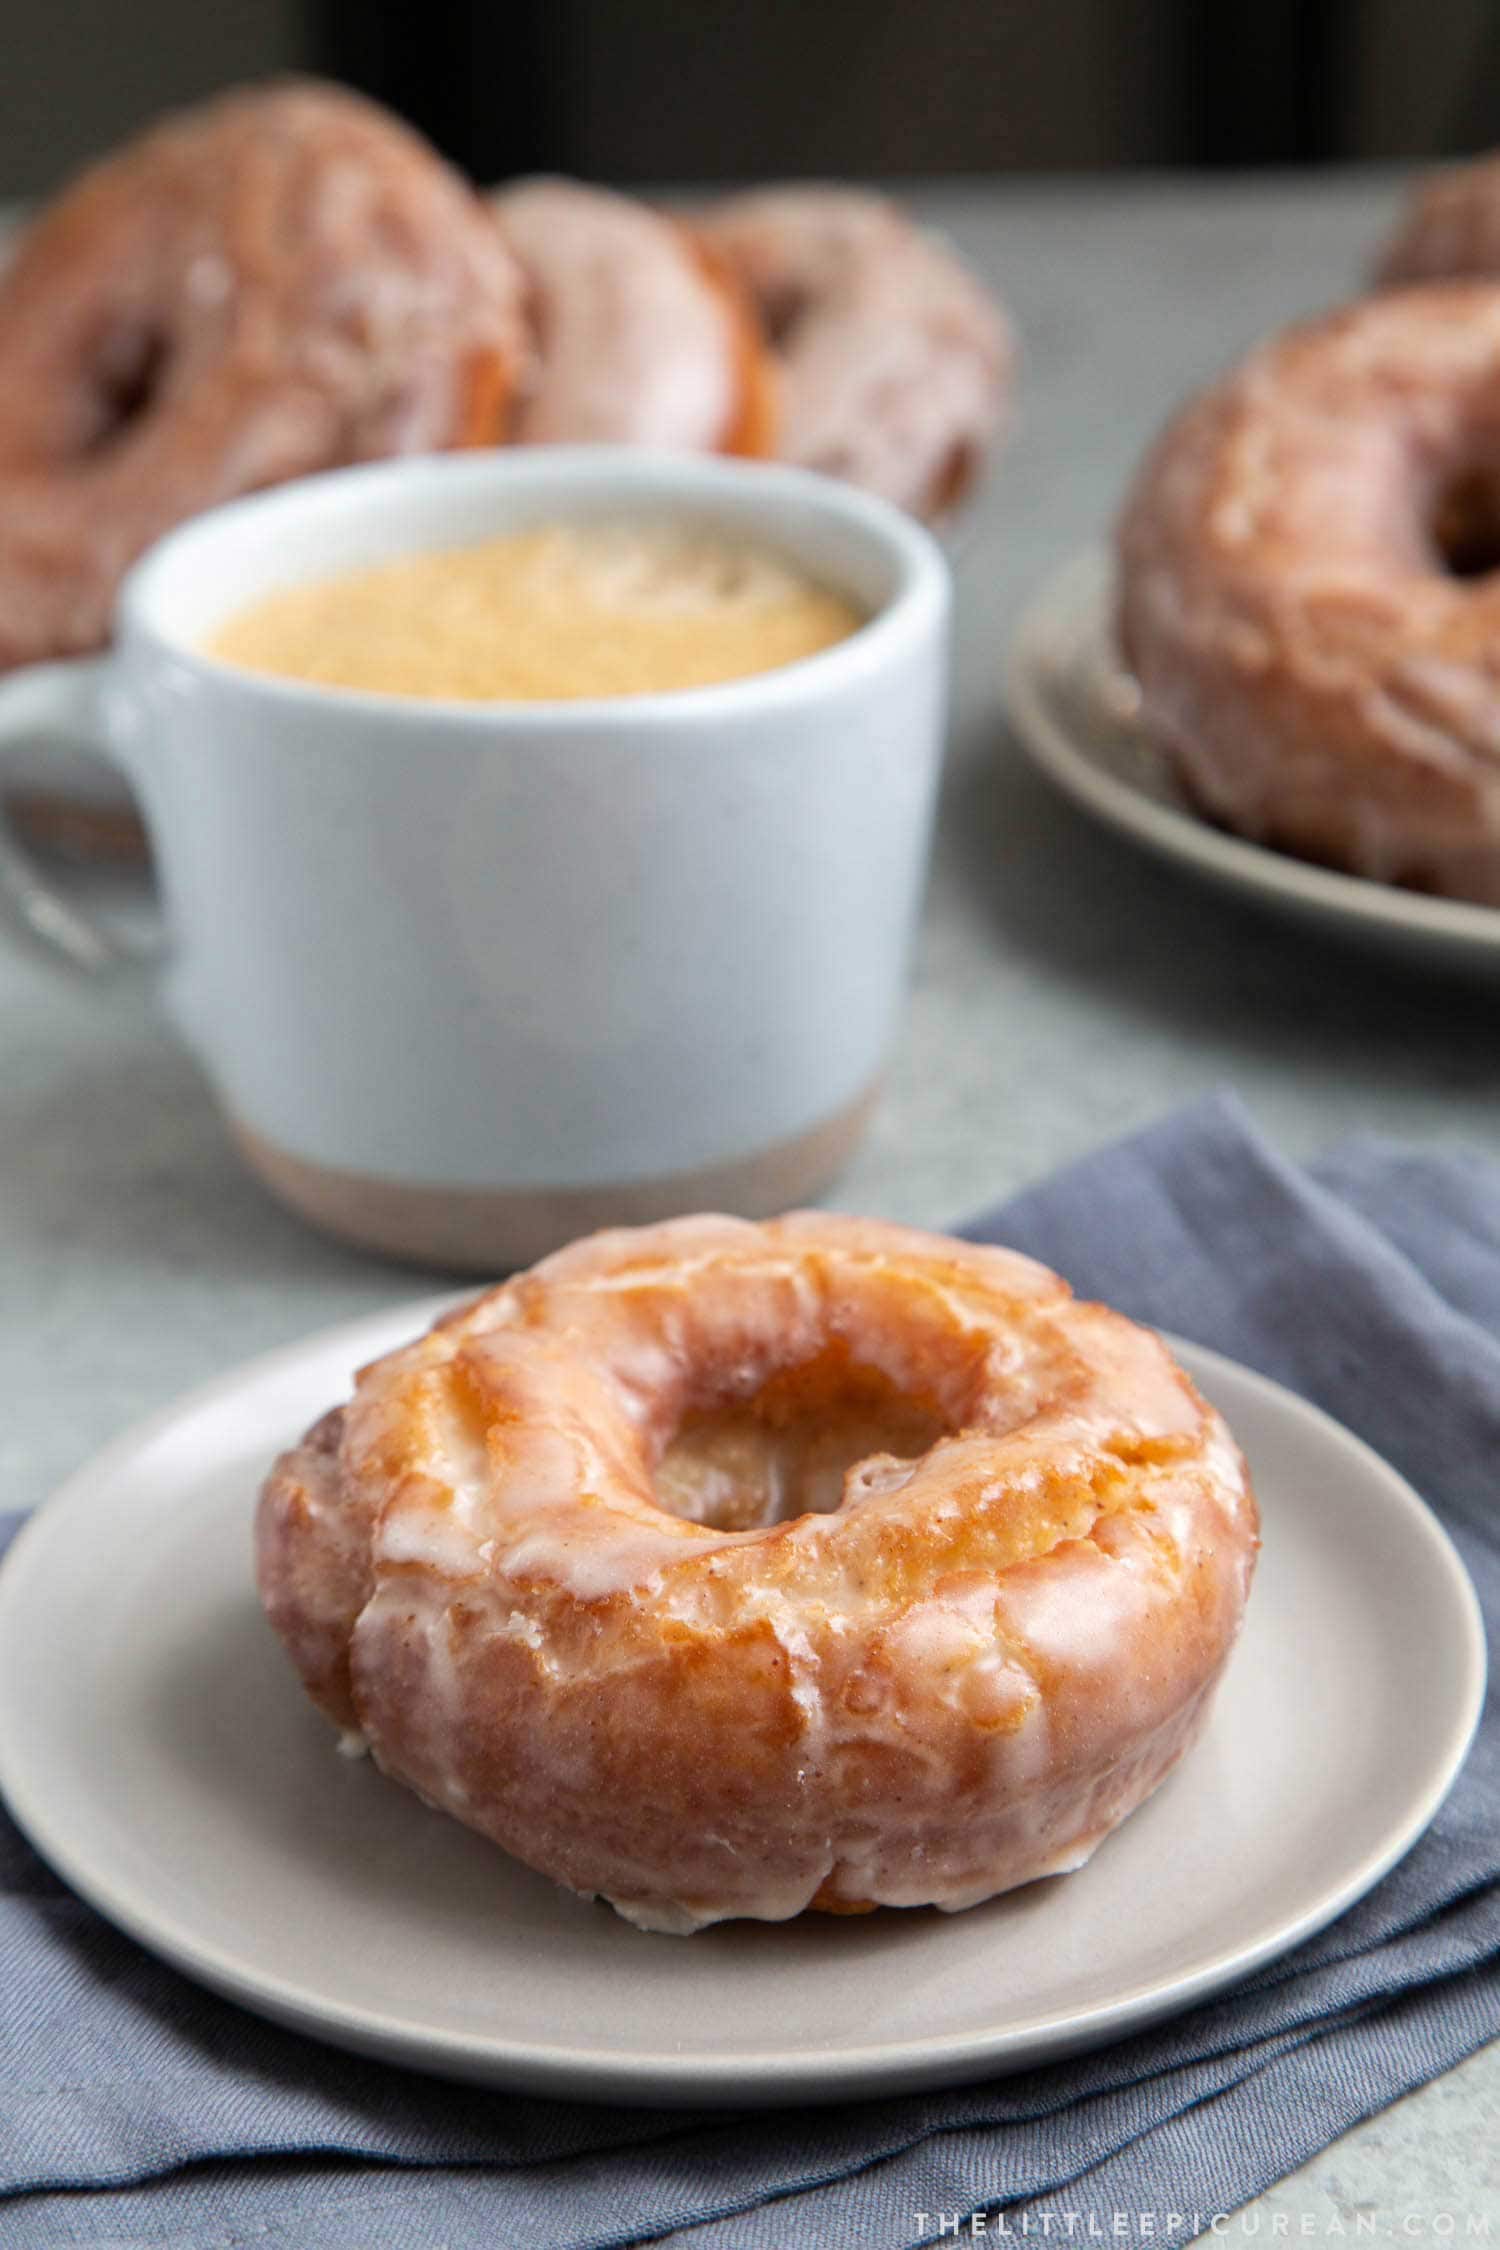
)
(280, 281)
(1308, 596)
(1449, 230)
(640, 337)
(721, 1569)
(894, 361)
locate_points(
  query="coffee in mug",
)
(555, 613)
(470, 977)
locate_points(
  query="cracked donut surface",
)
(720, 1569)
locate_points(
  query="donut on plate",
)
(1308, 596)
(640, 336)
(894, 362)
(721, 1569)
(279, 281)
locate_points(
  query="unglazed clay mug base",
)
(472, 978)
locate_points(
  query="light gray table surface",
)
(1066, 988)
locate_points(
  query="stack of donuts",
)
(287, 279)
(1309, 593)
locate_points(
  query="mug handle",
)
(61, 699)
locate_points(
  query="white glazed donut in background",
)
(895, 362)
(639, 338)
(721, 1569)
(1307, 593)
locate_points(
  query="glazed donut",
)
(719, 1569)
(280, 281)
(1307, 596)
(895, 363)
(1450, 229)
(641, 338)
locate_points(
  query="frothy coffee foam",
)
(554, 613)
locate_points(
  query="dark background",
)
(720, 89)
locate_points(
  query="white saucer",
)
(1071, 705)
(157, 1749)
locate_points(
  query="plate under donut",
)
(1069, 703)
(213, 1820)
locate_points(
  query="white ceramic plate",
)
(1071, 704)
(157, 1749)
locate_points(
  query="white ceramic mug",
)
(469, 979)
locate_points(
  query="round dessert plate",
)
(1072, 705)
(158, 1750)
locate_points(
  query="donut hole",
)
(785, 1451)
(1465, 523)
(126, 375)
(782, 306)
(955, 474)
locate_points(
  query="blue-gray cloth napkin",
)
(136, 2109)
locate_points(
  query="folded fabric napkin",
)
(136, 2109)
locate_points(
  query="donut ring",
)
(280, 281)
(721, 1569)
(1449, 230)
(639, 337)
(894, 363)
(1308, 598)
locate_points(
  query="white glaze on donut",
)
(1320, 677)
(895, 362)
(959, 1678)
(635, 342)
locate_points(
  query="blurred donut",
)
(640, 337)
(895, 363)
(1449, 229)
(1310, 591)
